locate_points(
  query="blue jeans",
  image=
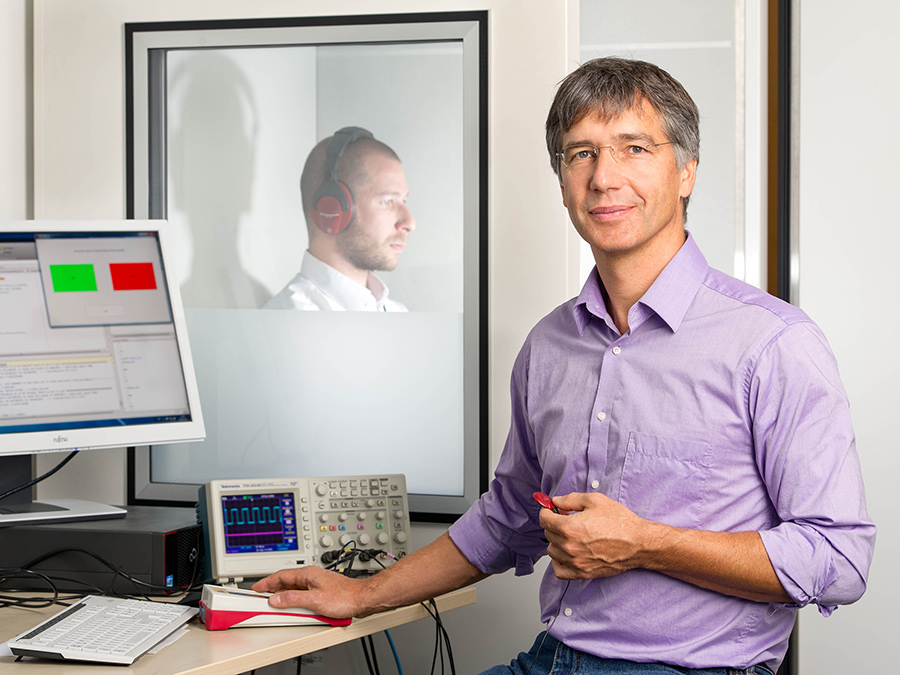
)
(554, 658)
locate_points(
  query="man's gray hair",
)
(608, 87)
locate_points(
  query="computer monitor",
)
(93, 351)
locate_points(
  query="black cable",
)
(442, 638)
(118, 572)
(362, 641)
(9, 601)
(37, 480)
(374, 655)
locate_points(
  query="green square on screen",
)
(69, 278)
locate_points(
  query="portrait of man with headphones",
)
(354, 192)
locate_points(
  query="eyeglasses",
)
(582, 157)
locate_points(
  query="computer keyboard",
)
(106, 630)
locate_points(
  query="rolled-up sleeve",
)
(822, 547)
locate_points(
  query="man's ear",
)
(688, 176)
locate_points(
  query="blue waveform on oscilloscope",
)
(252, 515)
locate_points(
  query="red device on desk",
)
(222, 607)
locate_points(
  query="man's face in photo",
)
(382, 223)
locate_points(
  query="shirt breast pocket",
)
(665, 479)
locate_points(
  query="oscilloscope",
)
(253, 527)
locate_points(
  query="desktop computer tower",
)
(151, 551)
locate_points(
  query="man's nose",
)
(607, 171)
(406, 221)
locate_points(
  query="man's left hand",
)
(598, 537)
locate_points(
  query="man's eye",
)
(635, 150)
(582, 154)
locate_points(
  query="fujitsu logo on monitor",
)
(61, 439)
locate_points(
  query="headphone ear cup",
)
(333, 207)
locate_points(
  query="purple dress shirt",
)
(720, 409)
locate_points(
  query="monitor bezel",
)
(96, 437)
(145, 193)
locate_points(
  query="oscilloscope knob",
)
(323, 518)
(400, 537)
(382, 538)
(326, 541)
(321, 490)
(345, 539)
(364, 539)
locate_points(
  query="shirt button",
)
(568, 611)
(595, 484)
(616, 350)
(601, 416)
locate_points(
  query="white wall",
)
(849, 242)
(15, 110)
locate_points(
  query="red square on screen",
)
(132, 276)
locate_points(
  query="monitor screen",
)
(93, 352)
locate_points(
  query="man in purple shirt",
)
(693, 432)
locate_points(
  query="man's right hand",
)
(322, 591)
(438, 568)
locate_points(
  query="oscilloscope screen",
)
(259, 523)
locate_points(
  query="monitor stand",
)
(19, 508)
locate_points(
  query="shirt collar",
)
(347, 293)
(669, 296)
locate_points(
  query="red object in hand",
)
(545, 501)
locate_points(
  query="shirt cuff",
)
(804, 564)
(491, 548)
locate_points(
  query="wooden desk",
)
(225, 652)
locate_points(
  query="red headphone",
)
(332, 205)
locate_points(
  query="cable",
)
(37, 480)
(374, 655)
(442, 639)
(394, 650)
(118, 572)
(362, 641)
(9, 601)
